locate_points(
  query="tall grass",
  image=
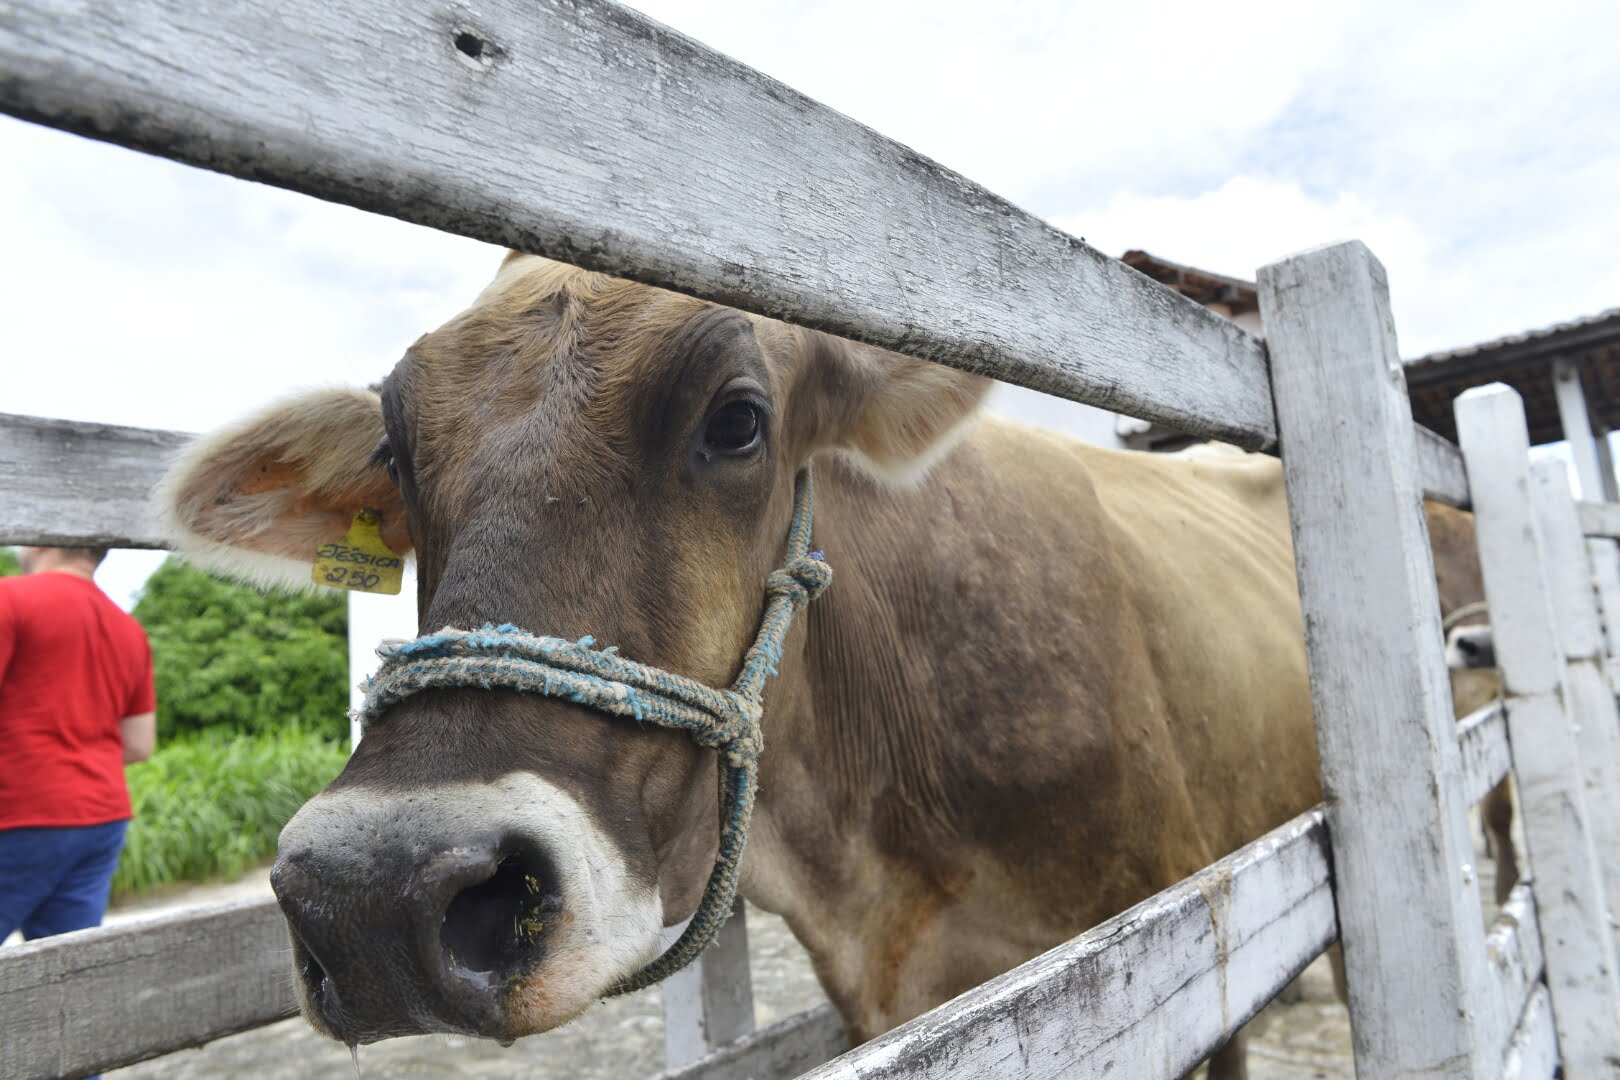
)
(210, 804)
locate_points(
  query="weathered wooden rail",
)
(581, 130)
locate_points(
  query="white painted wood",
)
(1604, 555)
(1576, 937)
(97, 999)
(1605, 456)
(70, 484)
(1533, 1053)
(710, 1002)
(1591, 701)
(1483, 740)
(1150, 992)
(1577, 425)
(1409, 910)
(1600, 521)
(1440, 468)
(1514, 947)
(585, 131)
(786, 1048)
(1599, 518)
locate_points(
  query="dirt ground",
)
(1304, 1035)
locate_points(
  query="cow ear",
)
(257, 499)
(893, 415)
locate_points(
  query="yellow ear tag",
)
(360, 561)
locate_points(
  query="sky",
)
(1474, 147)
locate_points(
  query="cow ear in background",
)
(257, 499)
(893, 415)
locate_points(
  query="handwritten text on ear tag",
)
(360, 561)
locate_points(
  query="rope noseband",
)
(728, 721)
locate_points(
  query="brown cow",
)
(1048, 681)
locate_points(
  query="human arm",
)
(140, 736)
(139, 725)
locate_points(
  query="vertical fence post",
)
(1605, 557)
(1575, 932)
(1591, 702)
(1409, 910)
(710, 1002)
(1577, 424)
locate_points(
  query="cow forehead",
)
(589, 345)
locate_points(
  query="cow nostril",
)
(497, 925)
(314, 978)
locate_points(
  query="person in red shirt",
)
(76, 705)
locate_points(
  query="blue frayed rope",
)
(507, 657)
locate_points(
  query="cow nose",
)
(426, 937)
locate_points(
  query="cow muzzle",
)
(495, 910)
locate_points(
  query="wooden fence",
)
(583, 131)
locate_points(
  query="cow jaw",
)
(496, 909)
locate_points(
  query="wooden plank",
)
(97, 999)
(1483, 740)
(1533, 1053)
(1514, 947)
(70, 484)
(786, 1048)
(1150, 992)
(1599, 518)
(1409, 910)
(1440, 468)
(1604, 556)
(1600, 521)
(1611, 485)
(1577, 424)
(710, 1002)
(582, 130)
(1575, 932)
(1591, 702)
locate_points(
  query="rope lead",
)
(509, 658)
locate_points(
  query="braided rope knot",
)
(801, 580)
(728, 721)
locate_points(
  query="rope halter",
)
(728, 721)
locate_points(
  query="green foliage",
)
(8, 562)
(230, 656)
(211, 803)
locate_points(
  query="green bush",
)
(210, 804)
(230, 656)
(8, 562)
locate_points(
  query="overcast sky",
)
(1474, 147)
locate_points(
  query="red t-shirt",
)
(72, 665)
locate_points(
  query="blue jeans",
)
(56, 879)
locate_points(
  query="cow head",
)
(577, 455)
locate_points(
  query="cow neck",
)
(509, 658)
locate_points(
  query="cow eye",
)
(385, 457)
(733, 428)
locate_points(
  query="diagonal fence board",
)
(73, 484)
(585, 131)
(1482, 737)
(1149, 992)
(1513, 946)
(97, 999)
(1599, 518)
(1440, 468)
